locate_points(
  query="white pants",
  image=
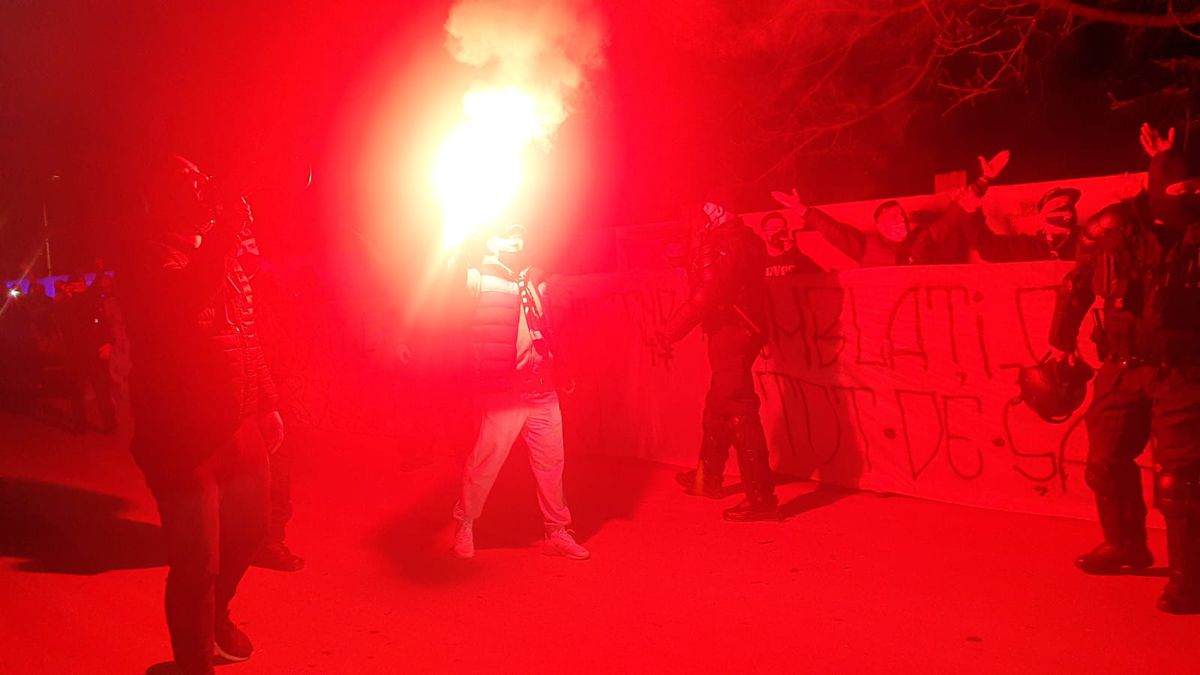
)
(536, 417)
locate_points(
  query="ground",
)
(850, 581)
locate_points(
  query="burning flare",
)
(537, 54)
(481, 164)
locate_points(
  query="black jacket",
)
(726, 283)
(198, 365)
(1148, 275)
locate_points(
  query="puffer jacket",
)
(499, 325)
(198, 365)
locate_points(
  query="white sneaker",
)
(464, 540)
(560, 542)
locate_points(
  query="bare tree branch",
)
(1169, 20)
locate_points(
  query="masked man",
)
(204, 405)
(515, 360)
(783, 258)
(727, 298)
(1056, 238)
(1146, 269)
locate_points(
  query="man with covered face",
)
(727, 298)
(1145, 266)
(783, 258)
(515, 359)
(204, 405)
(1056, 237)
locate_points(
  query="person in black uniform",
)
(1143, 260)
(728, 299)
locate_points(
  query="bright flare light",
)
(481, 164)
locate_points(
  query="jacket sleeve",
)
(848, 239)
(703, 297)
(268, 394)
(954, 218)
(1075, 297)
(994, 247)
(187, 278)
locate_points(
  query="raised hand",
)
(1154, 142)
(990, 168)
(789, 200)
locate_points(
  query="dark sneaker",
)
(766, 508)
(687, 480)
(1175, 600)
(231, 643)
(1110, 559)
(277, 556)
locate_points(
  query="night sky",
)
(260, 92)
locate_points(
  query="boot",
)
(696, 482)
(277, 556)
(1182, 594)
(707, 478)
(754, 508)
(754, 464)
(1123, 520)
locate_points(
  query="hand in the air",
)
(789, 200)
(990, 168)
(1153, 142)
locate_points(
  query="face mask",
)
(778, 237)
(714, 212)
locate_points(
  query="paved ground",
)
(851, 582)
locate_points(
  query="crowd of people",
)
(61, 347)
(1140, 257)
(959, 234)
(208, 432)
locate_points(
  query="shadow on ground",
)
(58, 529)
(598, 490)
(822, 495)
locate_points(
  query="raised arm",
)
(847, 238)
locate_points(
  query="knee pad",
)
(1177, 492)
